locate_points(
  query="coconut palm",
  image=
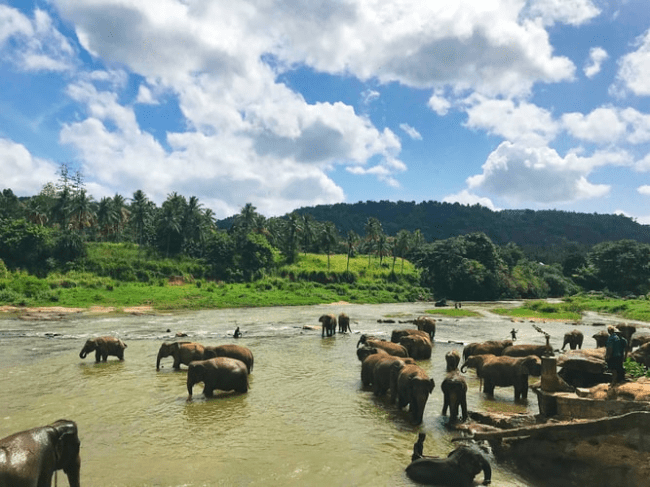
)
(329, 239)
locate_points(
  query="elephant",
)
(574, 339)
(103, 347)
(232, 351)
(390, 347)
(413, 388)
(640, 339)
(453, 359)
(417, 347)
(601, 338)
(366, 350)
(457, 470)
(385, 372)
(329, 325)
(372, 356)
(504, 371)
(524, 350)
(344, 323)
(494, 347)
(426, 323)
(454, 390)
(223, 373)
(397, 334)
(30, 458)
(626, 330)
(183, 353)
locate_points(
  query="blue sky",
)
(510, 104)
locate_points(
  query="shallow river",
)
(306, 420)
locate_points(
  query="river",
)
(306, 420)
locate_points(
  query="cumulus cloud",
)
(601, 125)
(634, 68)
(514, 121)
(439, 104)
(410, 131)
(573, 12)
(464, 197)
(21, 171)
(644, 190)
(523, 174)
(36, 44)
(145, 96)
(597, 55)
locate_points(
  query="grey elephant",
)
(390, 347)
(103, 347)
(384, 373)
(523, 350)
(454, 391)
(601, 338)
(574, 339)
(344, 323)
(30, 458)
(223, 373)
(457, 470)
(233, 351)
(413, 388)
(371, 357)
(504, 372)
(329, 325)
(417, 347)
(397, 334)
(426, 323)
(183, 353)
(494, 347)
(452, 358)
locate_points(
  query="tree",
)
(352, 240)
(622, 266)
(10, 206)
(292, 236)
(329, 239)
(82, 215)
(308, 235)
(141, 214)
(25, 245)
(401, 247)
(256, 255)
(373, 230)
(120, 209)
(169, 224)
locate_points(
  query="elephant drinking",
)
(223, 373)
(183, 353)
(103, 347)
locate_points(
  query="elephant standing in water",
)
(223, 373)
(428, 324)
(413, 387)
(504, 372)
(457, 470)
(183, 353)
(454, 390)
(417, 347)
(494, 347)
(389, 347)
(329, 325)
(574, 339)
(232, 351)
(344, 323)
(30, 458)
(103, 347)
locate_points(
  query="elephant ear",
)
(67, 444)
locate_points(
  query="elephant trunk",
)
(362, 340)
(83, 353)
(158, 361)
(463, 367)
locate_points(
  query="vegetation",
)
(62, 246)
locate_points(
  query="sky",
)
(511, 104)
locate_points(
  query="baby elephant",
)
(103, 347)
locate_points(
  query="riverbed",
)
(306, 420)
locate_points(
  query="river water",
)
(306, 420)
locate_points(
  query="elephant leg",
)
(402, 400)
(98, 355)
(177, 363)
(488, 386)
(445, 404)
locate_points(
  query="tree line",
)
(50, 231)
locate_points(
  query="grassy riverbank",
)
(572, 307)
(143, 283)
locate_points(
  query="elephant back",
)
(233, 351)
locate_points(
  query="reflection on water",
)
(305, 421)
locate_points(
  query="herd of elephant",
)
(29, 458)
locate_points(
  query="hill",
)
(527, 228)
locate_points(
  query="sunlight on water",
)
(305, 420)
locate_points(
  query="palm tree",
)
(383, 246)
(373, 230)
(122, 212)
(170, 218)
(141, 212)
(292, 236)
(308, 231)
(401, 247)
(352, 240)
(106, 216)
(36, 211)
(81, 210)
(329, 238)
(192, 228)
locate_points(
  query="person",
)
(418, 447)
(615, 352)
(513, 333)
(237, 333)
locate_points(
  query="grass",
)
(453, 312)
(304, 283)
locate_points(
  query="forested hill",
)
(443, 220)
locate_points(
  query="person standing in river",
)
(615, 354)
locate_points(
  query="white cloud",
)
(22, 172)
(634, 68)
(439, 104)
(539, 175)
(368, 96)
(601, 125)
(466, 198)
(573, 12)
(511, 120)
(410, 131)
(36, 44)
(643, 165)
(145, 96)
(644, 190)
(597, 55)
